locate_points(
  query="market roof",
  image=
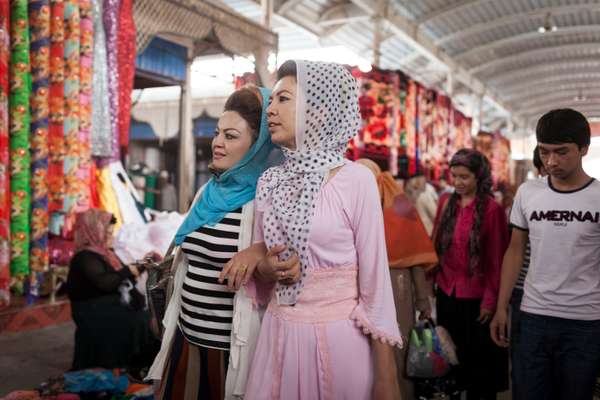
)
(211, 28)
(522, 56)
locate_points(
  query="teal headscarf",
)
(236, 186)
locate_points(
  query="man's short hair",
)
(563, 126)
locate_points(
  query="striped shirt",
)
(523, 274)
(206, 305)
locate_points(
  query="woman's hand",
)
(484, 316)
(424, 308)
(134, 270)
(270, 269)
(242, 265)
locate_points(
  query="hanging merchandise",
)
(101, 136)
(72, 108)
(410, 123)
(441, 135)
(107, 196)
(501, 160)
(110, 16)
(4, 155)
(20, 89)
(126, 58)
(39, 22)
(425, 110)
(56, 136)
(461, 132)
(85, 104)
(130, 205)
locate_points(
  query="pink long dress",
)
(320, 348)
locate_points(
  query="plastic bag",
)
(428, 356)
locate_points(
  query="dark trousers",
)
(515, 335)
(555, 358)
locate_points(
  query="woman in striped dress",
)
(194, 361)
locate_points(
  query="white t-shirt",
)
(564, 231)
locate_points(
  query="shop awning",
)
(212, 29)
(203, 127)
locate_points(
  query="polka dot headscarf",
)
(327, 117)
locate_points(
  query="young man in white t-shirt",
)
(558, 353)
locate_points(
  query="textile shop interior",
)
(113, 104)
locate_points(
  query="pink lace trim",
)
(363, 323)
(278, 364)
(323, 348)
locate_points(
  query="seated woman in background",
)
(108, 333)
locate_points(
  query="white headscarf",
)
(327, 117)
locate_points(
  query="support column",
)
(377, 35)
(187, 148)
(267, 13)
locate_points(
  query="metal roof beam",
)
(477, 29)
(556, 79)
(569, 30)
(342, 13)
(516, 76)
(449, 9)
(408, 31)
(286, 5)
(589, 106)
(544, 91)
(591, 93)
(527, 54)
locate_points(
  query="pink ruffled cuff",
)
(363, 323)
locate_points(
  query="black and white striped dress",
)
(206, 305)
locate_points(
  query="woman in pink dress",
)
(330, 325)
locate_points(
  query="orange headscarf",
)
(406, 239)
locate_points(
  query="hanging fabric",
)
(126, 52)
(72, 108)
(410, 120)
(86, 80)
(39, 22)
(101, 131)
(4, 155)
(110, 16)
(56, 136)
(20, 91)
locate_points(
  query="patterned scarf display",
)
(126, 54)
(39, 22)
(327, 118)
(101, 136)
(72, 106)
(20, 90)
(56, 136)
(110, 16)
(86, 80)
(4, 155)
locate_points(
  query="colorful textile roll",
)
(39, 22)
(20, 90)
(410, 123)
(4, 155)
(110, 16)
(56, 136)
(101, 135)
(126, 59)
(72, 108)
(86, 80)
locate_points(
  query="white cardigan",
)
(245, 325)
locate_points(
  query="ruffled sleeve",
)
(376, 312)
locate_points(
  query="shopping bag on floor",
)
(428, 356)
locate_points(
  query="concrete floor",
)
(29, 358)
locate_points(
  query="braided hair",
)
(479, 165)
